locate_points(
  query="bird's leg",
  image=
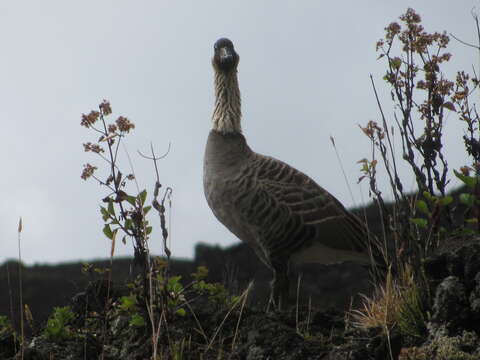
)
(279, 287)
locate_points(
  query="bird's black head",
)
(225, 58)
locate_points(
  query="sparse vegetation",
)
(186, 316)
(417, 225)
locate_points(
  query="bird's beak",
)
(225, 54)
(226, 58)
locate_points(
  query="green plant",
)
(413, 314)
(471, 200)
(418, 91)
(57, 328)
(178, 293)
(126, 212)
(398, 304)
(122, 211)
(216, 292)
(380, 310)
(422, 96)
(417, 224)
(129, 305)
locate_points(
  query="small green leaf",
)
(181, 312)
(468, 231)
(467, 199)
(175, 279)
(396, 62)
(57, 327)
(200, 285)
(176, 288)
(421, 223)
(428, 196)
(128, 302)
(159, 278)
(107, 231)
(446, 200)
(422, 206)
(174, 284)
(131, 199)
(470, 181)
(234, 299)
(149, 230)
(104, 213)
(201, 273)
(128, 223)
(111, 209)
(146, 209)
(137, 321)
(143, 196)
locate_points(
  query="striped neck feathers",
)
(227, 113)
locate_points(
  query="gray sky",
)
(304, 75)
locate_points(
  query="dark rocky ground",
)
(210, 330)
(319, 329)
(47, 286)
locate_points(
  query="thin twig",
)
(154, 158)
(332, 140)
(464, 42)
(20, 290)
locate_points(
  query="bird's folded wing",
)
(291, 210)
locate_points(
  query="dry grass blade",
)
(382, 309)
(20, 290)
(200, 328)
(242, 298)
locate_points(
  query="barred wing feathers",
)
(289, 211)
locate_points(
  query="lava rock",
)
(474, 299)
(451, 307)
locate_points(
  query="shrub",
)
(417, 224)
(57, 328)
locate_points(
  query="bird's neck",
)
(227, 113)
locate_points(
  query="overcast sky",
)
(304, 76)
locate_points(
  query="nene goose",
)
(279, 211)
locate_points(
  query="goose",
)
(285, 216)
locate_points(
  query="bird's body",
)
(275, 208)
(279, 211)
